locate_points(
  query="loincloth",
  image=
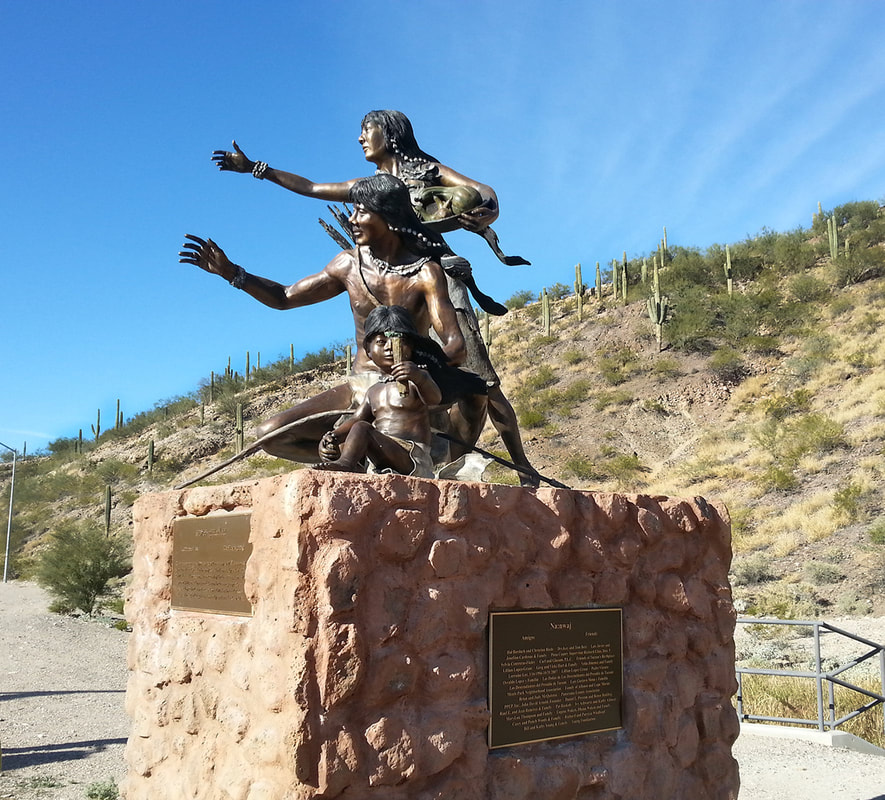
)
(418, 452)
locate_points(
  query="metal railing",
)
(826, 716)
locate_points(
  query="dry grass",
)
(808, 520)
(776, 696)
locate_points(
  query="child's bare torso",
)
(403, 416)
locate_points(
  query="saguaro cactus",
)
(658, 307)
(150, 458)
(624, 279)
(239, 429)
(545, 311)
(729, 275)
(96, 429)
(833, 235)
(579, 293)
(598, 282)
(107, 510)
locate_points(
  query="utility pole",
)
(9, 518)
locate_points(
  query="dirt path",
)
(63, 725)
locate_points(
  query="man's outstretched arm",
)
(208, 256)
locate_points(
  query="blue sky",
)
(597, 123)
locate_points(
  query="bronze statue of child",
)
(391, 427)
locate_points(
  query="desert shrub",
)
(860, 264)
(753, 569)
(779, 478)
(667, 368)
(876, 533)
(692, 321)
(112, 470)
(559, 291)
(103, 790)
(615, 398)
(582, 468)
(80, 563)
(860, 360)
(821, 572)
(792, 252)
(520, 299)
(727, 364)
(532, 418)
(808, 289)
(543, 377)
(572, 357)
(783, 406)
(624, 468)
(616, 367)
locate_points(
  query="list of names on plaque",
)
(554, 674)
(209, 557)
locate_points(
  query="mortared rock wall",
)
(363, 672)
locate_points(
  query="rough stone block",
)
(363, 671)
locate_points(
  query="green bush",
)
(615, 398)
(582, 468)
(753, 569)
(532, 418)
(105, 790)
(79, 564)
(572, 357)
(616, 367)
(808, 289)
(727, 364)
(520, 299)
(559, 291)
(543, 377)
(877, 532)
(667, 368)
(820, 572)
(783, 406)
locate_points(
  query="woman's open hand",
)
(237, 161)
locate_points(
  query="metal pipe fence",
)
(825, 680)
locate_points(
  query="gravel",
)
(63, 726)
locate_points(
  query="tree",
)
(79, 564)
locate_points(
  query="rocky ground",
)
(63, 726)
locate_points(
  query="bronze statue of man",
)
(388, 141)
(394, 262)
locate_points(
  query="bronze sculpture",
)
(388, 141)
(393, 263)
(391, 427)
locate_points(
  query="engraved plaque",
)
(554, 674)
(209, 557)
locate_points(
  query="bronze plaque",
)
(209, 557)
(554, 674)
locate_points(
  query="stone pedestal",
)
(363, 672)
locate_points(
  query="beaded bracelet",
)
(259, 169)
(239, 279)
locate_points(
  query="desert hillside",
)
(765, 392)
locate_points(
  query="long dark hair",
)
(388, 196)
(453, 382)
(398, 134)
